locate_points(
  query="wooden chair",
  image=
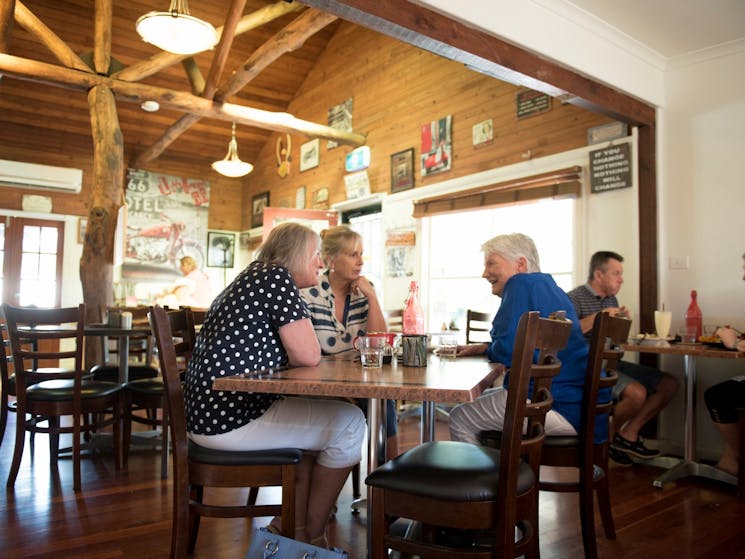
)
(195, 467)
(140, 351)
(394, 318)
(35, 335)
(478, 323)
(583, 451)
(7, 380)
(461, 486)
(741, 454)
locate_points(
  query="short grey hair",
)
(287, 245)
(513, 246)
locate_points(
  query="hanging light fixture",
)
(232, 166)
(176, 31)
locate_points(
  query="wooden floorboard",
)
(127, 514)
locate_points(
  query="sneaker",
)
(620, 458)
(637, 448)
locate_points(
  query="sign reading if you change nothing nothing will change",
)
(610, 168)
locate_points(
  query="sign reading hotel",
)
(610, 168)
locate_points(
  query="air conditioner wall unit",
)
(46, 177)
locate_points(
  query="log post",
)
(107, 196)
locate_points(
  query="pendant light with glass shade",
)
(176, 31)
(232, 166)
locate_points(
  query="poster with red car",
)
(436, 146)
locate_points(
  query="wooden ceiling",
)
(41, 109)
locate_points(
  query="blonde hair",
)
(337, 240)
(188, 263)
(287, 245)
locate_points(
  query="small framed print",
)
(300, 198)
(309, 154)
(258, 203)
(220, 249)
(483, 132)
(402, 170)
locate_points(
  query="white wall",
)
(702, 207)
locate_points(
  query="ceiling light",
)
(176, 31)
(232, 166)
(150, 106)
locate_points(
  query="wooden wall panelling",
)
(395, 89)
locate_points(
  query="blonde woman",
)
(344, 305)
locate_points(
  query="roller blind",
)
(562, 183)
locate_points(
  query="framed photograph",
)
(220, 249)
(402, 170)
(300, 198)
(320, 199)
(82, 225)
(309, 154)
(258, 203)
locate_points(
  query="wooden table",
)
(461, 379)
(690, 353)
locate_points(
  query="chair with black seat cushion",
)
(36, 337)
(140, 350)
(196, 467)
(463, 493)
(478, 326)
(148, 393)
(586, 452)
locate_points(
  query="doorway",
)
(31, 252)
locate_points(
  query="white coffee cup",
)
(662, 320)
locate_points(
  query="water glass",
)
(448, 346)
(371, 350)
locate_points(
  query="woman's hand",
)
(729, 336)
(362, 285)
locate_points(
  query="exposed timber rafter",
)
(32, 70)
(26, 19)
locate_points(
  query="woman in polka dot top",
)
(260, 321)
(344, 305)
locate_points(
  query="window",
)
(370, 226)
(32, 262)
(454, 262)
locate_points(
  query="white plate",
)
(650, 338)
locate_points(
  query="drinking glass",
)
(371, 350)
(448, 346)
(662, 320)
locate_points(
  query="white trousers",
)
(487, 413)
(332, 428)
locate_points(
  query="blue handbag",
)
(266, 545)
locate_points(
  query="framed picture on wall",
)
(309, 154)
(402, 170)
(220, 249)
(258, 203)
